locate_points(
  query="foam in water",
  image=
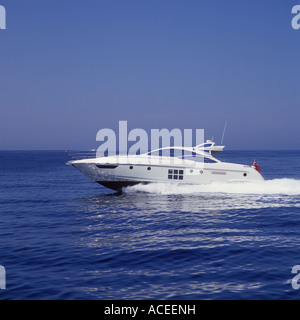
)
(270, 187)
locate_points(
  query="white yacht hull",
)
(125, 171)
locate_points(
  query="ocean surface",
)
(63, 236)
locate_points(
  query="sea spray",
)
(283, 186)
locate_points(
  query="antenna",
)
(223, 132)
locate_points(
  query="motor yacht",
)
(181, 165)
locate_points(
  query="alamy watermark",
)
(173, 144)
(296, 18)
(2, 278)
(294, 281)
(2, 17)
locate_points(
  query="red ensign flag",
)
(255, 165)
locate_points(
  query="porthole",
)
(191, 171)
(131, 167)
(201, 171)
(149, 168)
(245, 174)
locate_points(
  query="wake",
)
(283, 186)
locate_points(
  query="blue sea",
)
(63, 236)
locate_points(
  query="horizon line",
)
(94, 150)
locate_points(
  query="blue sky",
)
(69, 68)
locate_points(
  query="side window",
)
(207, 160)
(175, 174)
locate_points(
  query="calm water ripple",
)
(65, 237)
